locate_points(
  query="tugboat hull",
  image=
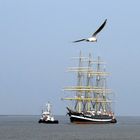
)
(48, 122)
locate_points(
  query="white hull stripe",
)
(96, 120)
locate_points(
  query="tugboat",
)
(92, 97)
(47, 116)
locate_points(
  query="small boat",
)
(47, 116)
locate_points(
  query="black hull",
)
(49, 122)
(81, 118)
(86, 121)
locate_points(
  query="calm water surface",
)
(27, 128)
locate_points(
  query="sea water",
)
(28, 128)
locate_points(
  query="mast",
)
(78, 104)
(88, 84)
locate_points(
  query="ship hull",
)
(48, 122)
(81, 118)
(88, 120)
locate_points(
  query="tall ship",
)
(91, 100)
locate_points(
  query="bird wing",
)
(79, 40)
(100, 28)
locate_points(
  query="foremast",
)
(91, 91)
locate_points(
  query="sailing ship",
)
(92, 101)
(47, 116)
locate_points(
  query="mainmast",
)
(87, 104)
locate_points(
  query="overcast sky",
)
(35, 51)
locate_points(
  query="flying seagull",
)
(93, 38)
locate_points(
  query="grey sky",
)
(35, 50)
